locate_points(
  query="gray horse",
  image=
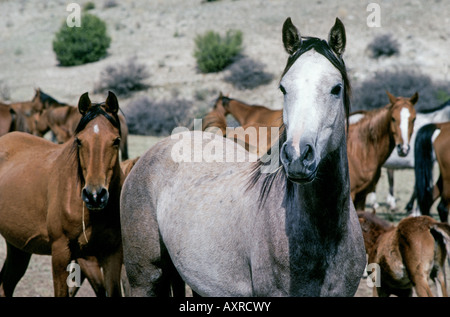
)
(281, 226)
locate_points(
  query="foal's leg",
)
(391, 199)
(14, 268)
(410, 204)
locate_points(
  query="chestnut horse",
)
(63, 200)
(255, 133)
(19, 116)
(62, 119)
(6, 119)
(407, 255)
(372, 139)
(434, 137)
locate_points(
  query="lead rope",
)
(84, 225)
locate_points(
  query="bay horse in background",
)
(253, 120)
(285, 226)
(373, 138)
(407, 254)
(18, 116)
(63, 199)
(6, 119)
(433, 140)
(62, 119)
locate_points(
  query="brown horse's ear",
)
(291, 37)
(414, 98)
(112, 104)
(337, 38)
(392, 98)
(84, 103)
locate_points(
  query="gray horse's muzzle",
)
(299, 168)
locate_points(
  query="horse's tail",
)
(441, 232)
(423, 167)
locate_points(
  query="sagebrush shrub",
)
(123, 79)
(247, 73)
(371, 93)
(214, 52)
(79, 45)
(383, 45)
(158, 118)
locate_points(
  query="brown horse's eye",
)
(116, 142)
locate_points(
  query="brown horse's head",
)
(97, 139)
(221, 104)
(402, 121)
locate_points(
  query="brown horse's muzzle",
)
(95, 198)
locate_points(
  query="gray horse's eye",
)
(336, 90)
(283, 90)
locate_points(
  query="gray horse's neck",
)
(316, 220)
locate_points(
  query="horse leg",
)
(91, 269)
(443, 211)
(360, 201)
(61, 258)
(14, 268)
(391, 199)
(410, 204)
(112, 268)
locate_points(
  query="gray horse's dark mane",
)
(279, 175)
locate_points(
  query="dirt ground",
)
(160, 34)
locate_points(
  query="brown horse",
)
(6, 119)
(434, 137)
(62, 119)
(407, 255)
(372, 139)
(19, 116)
(255, 133)
(63, 200)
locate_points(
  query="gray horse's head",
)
(316, 100)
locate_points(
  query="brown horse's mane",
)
(215, 119)
(371, 126)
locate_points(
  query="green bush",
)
(81, 45)
(214, 52)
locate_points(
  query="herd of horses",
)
(153, 224)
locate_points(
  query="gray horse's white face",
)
(313, 114)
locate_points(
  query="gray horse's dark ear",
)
(414, 98)
(336, 38)
(291, 37)
(84, 103)
(111, 103)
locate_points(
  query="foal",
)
(407, 254)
